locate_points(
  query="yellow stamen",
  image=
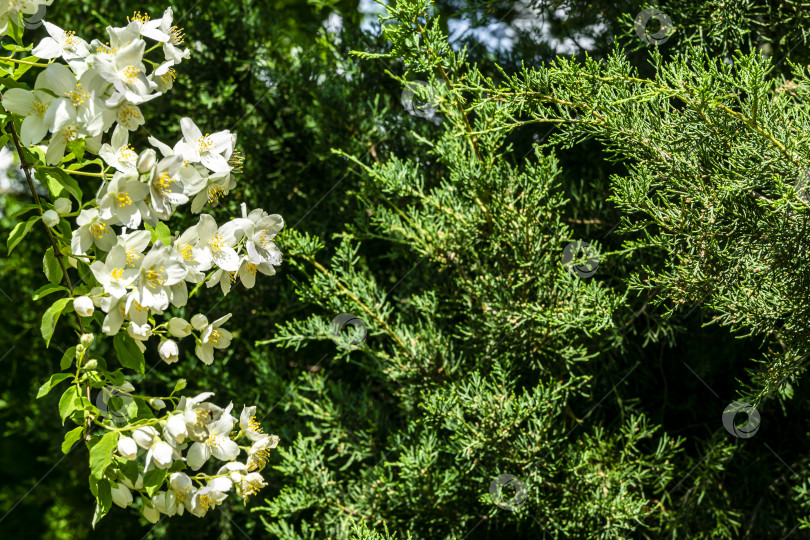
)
(98, 230)
(156, 278)
(130, 73)
(78, 95)
(216, 243)
(132, 258)
(142, 18)
(123, 200)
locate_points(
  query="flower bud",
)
(139, 332)
(138, 482)
(121, 495)
(176, 428)
(157, 403)
(145, 436)
(151, 513)
(127, 448)
(83, 306)
(50, 218)
(146, 161)
(87, 339)
(180, 481)
(168, 351)
(199, 321)
(62, 206)
(91, 364)
(127, 387)
(179, 328)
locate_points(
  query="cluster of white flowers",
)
(101, 87)
(136, 283)
(137, 268)
(203, 431)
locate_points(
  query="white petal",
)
(197, 455)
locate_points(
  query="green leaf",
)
(101, 454)
(15, 30)
(129, 355)
(72, 401)
(23, 210)
(163, 233)
(71, 437)
(153, 480)
(45, 290)
(76, 147)
(22, 68)
(51, 267)
(8, 82)
(103, 501)
(131, 471)
(50, 318)
(67, 358)
(55, 379)
(57, 181)
(19, 232)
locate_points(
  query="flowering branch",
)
(135, 269)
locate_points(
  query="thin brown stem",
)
(58, 254)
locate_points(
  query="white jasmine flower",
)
(93, 230)
(259, 453)
(158, 272)
(197, 260)
(248, 424)
(206, 149)
(168, 351)
(140, 23)
(60, 43)
(218, 444)
(75, 103)
(205, 499)
(246, 483)
(247, 271)
(124, 68)
(217, 245)
(170, 48)
(113, 273)
(33, 107)
(212, 191)
(165, 187)
(164, 76)
(149, 439)
(135, 243)
(119, 154)
(223, 279)
(139, 332)
(213, 337)
(259, 229)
